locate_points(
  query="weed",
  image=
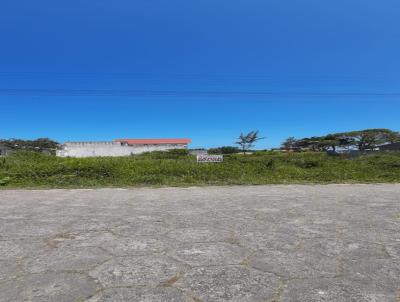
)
(177, 168)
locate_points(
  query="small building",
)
(390, 147)
(4, 151)
(120, 147)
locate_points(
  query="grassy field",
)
(33, 170)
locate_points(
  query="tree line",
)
(362, 140)
(38, 145)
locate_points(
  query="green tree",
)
(369, 139)
(392, 137)
(311, 143)
(289, 144)
(247, 141)
(330, 141)
(362, 140)
(40, 144)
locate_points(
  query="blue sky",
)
(208, 70)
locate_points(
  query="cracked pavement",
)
(245, 243)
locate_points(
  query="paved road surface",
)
(264, 243)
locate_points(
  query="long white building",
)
(120, 147)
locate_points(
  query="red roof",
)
(154, 141)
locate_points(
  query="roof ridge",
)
(154, 140)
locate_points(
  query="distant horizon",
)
(180, 138)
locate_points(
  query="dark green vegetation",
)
(177, 168)
(361, 140)
(38, 145)
(224, 150)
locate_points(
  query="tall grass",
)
(24, 170)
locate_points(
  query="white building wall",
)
(102, 149)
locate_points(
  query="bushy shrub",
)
(4, 180)
(269, 164)
(170, 154)
(307, 163)
(28, 169)
(224, 150)
(182, 152)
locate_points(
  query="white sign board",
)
(201, 158)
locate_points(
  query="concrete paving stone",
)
(304, 227)
(25, 228)
(346, 249)
(9, 270)
(373, 235)
(252, 214)
(149, 270)
(138, 245)
(338, 290)
(329, 247)
(20, 248)
(242, 225)
(378, 273)
(82, 239)
(159, 294)
(295, 264)
(67, 259)
(204, 218)
(230, 283)
(85, 224)
(202, 240)
(146, 217)
(269, 240)
(363, 250)
(115, 245)
(393, 250)
(48, 287)
(141, 229)
(200, 234)
(215, 253)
